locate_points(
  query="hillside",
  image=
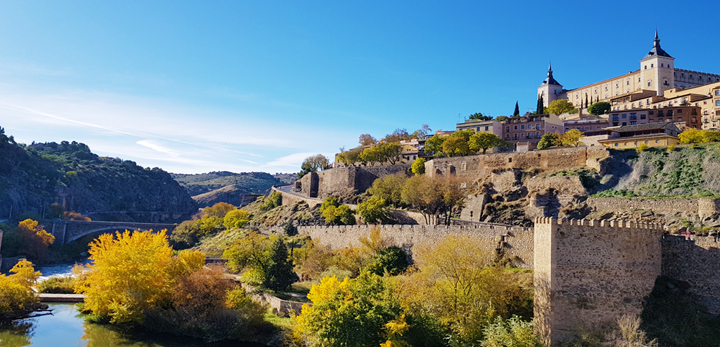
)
(223, 186)
(32, 177)
(686, 171)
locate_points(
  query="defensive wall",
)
(515, 243)
(704, 207)
(588, 273)
(341, 179)
(550, 159)
(695, 260)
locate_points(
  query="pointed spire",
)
(550, 79)
(656, 51)
(656, 35)
(550, 67)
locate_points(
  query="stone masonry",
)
(588, 273)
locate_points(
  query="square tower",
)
(657, 69)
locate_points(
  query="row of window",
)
(522, 127)
(522, 136)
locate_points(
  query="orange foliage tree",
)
(34, 238)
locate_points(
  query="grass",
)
(58, 285)
(277, 321)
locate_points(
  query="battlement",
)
(599, 223)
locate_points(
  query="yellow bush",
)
(16, 290)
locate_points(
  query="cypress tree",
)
(586, 101)
(517, 110)
(280, 274)
(540, 107)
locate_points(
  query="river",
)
(66, 327)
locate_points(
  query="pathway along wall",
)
(588, 273)
(514, 243)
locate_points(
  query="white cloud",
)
(294, 160)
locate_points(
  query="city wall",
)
(695, 260)
(551, 159)
(702, 206)
(341, 179)
(514, 243)
(588, 273)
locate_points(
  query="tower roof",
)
(550, 80)
(656, 51)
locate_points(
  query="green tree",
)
(540, 105)
(290, 229)
(350, 157)
(434, 145)
(371, 155)
(279, 275)
(350, 313)
(479, 116)
(549, 140)
(571, 138)
(599, 108)
(516, 112)
(455, 146)
(272, 201)
(504, 118)
(373, 210)
(560, 106)
(484, 141)
(313, 164)
(390, 151)
(389, 188)
(236, 219)
(250, 254)
(392, 260)
(418, 166)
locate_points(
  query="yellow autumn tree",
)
(34, 238)
(129, 273)
(16, 291)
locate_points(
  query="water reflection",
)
(65, 327)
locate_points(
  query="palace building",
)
(657, 84)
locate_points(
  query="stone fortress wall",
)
(588, 273)
(551, 159)
(341, 179)
(704, 207)
(695, 260)
(515, 243)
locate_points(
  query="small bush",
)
(671, 148)
(274, 200)
(642, 148)
(58, 285)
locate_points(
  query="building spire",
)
(656, 51)
(656, 42)
(550, 79)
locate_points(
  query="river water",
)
(66, 327)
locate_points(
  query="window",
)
(633, 123)
(507, 129)
(670, 113)
(642, 116)
(615, 117)
(717, 92)
(624, 123)
(679, 119)
(487, 127)
(616, 142)
(651, 113)
(624, 116)
(660, 113)
(651, 66)
(537, 126)
(478, 129)
(649, 83)
(537, 135)
(522, 127)
(516, 127)
(679, 110)
(633, 116)
(522, 135)
(645, 69)
(717, 102)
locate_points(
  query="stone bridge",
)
(66, 231)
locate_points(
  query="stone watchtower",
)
(550, 89)
(589, 273)
(657, 69)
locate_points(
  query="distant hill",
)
(234, 188)
(32, 177)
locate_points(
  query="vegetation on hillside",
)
(244, 182)
(685, 171)
(37, 175)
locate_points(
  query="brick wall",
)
(516, 242)
(589, 273)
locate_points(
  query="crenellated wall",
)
(588, 273)
(515, 243)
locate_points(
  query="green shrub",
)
(59, 285)
(274, 200)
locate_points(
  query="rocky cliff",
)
(32, 177)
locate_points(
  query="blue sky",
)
(199, 86)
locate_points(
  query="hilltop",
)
(234, 188)
(32, 177)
